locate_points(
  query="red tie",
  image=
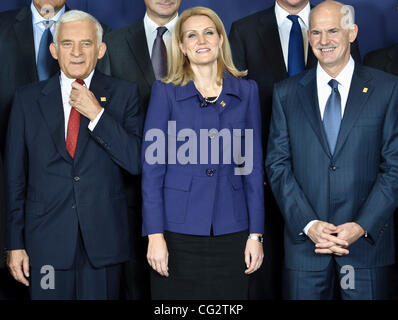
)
(73, 128)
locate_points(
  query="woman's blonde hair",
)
(179, 69)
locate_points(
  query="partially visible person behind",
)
(69, 140)
(138, 52)
(204, 222)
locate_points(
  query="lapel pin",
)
(223, 104)
(103, 99)
(365, 90)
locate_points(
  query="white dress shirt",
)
(151, 32)
(39, 27)
(66, 88)
(285, 25)
(324, 91)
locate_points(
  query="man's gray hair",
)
(77, 15)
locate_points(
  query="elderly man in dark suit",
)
(332, 163)
(69, 140)
(138, 52)
(25, 35)
(272, 45)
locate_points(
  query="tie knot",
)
(293, 18)
(80, 81)
(334, 84)
(161, 31)
(48, 23)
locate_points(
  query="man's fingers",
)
(325, 245)
(323, 251)
(334, 239)
(247, 258)
(26, 267)
(253, 263)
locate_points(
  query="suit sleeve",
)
(294, 205)
(153, 173)
(383, 198)
(16, 175)
(238, 48)
(254, 182)
(122, 141)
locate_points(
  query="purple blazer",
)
(191, 197)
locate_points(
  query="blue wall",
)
(377, 19)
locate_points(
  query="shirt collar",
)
(343, 78)
(37, 18)
(152, 26)
(281, 14)
(67, 82)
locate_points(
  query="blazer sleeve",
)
(238, 48)
(155, 134)
(383, 198)
(294, 205)
(16, 175)
(254, 182)
(122, 140)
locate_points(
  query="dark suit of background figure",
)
(127, 58)
(386, 59)
(17, 68)
(358, 183)
(256, 47)
(65, 195)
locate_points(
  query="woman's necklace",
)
(212, 99)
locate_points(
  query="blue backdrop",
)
(377, 19)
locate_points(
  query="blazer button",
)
(210, 172)
(74, 206)
(333, 168)
(76, 179)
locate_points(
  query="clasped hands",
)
(331, 239)
(84, 101)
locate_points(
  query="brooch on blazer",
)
(103, 99)
(223, 104)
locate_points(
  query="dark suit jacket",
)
(358, 183)
(128, 58)
(385, 59)
(50, 194)
(256, 47)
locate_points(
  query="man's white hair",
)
(77, 15)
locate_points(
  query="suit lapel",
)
(355, 102)
(98, 86)
(269, 35)
(24, 32)
(309, 101)
(136, 39)
(53, 113)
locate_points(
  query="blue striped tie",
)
(295, 61)
(332, 115)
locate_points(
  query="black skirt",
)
(203, 268)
